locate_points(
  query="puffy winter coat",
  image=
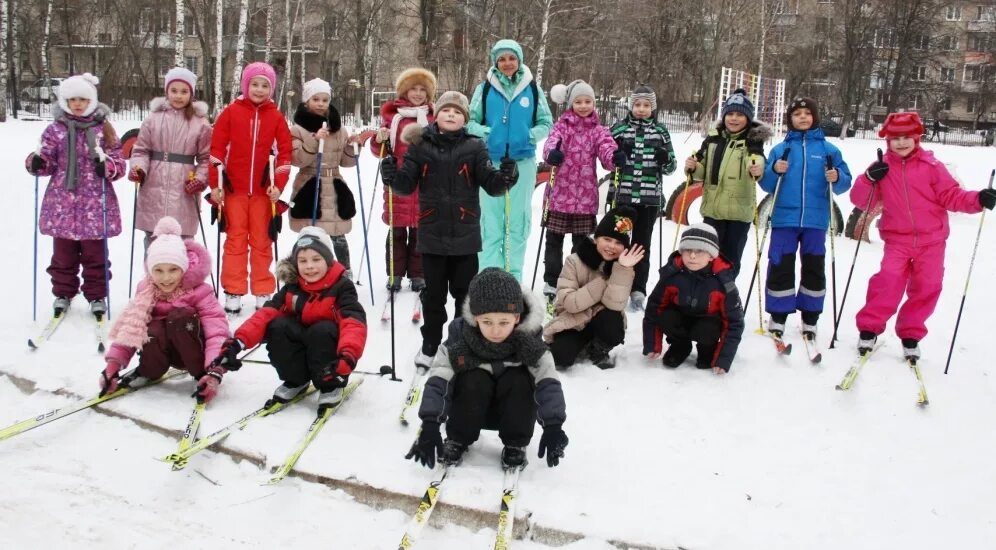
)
(509, 119)
(916, 196)
(130, 331)
(331, 298)
(337, 153)
(244, 136)
(804, 197)
(584, 289)
(78, 214)
(640, 178)
(447, 169)
(397, 115)
(581, 140)
(525, 349)
(728, 190)
(166, 133)
(708, 292)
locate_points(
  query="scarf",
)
(72, 125)
(420, 114)
(472, 350)
(588, 254)
(131, 328)
(312, 122)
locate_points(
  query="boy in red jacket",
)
(244, 135)
(315, 327)
(916, 192)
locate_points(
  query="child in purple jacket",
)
(576, 141)
(82, 154)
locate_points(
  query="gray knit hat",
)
(738, 102)
(700, 236)
(643, 92)
(567, 94)
(313, 238)
(456, 100)
(495, 291)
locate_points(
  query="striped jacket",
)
(640, 178)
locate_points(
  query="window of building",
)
(953, 13)
(947, 74)
(922, 42)
(946, 104)
(884, 38)
(919, 73)
(192, 62)
(821, 51)
(882, 99)
(985, 13)
(971, 104)
(104, 38)
(973, 73)
(978, 42)
(949, 43)
(914, 101)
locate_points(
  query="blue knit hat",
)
(738, 102)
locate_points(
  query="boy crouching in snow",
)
(493, 372)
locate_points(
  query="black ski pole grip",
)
(785, 153)
(880, 155)
(829, 162)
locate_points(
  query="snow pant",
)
(643, 232)
(606, 329)
(407, 260)
(247, 241)
(67, 258)
(493, 222)
(481, 401)
(299, 353)
(176, 340)
(780, 293)
(917, 271)
(553, 255)
(681, 330)
(732, 240)
(341, 250)
(442, 274)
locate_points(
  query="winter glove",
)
(555, 157)
(191, 186)
(427, 446)
(229, 356)
(552, 444)
(207, 386)
(662, 157)
(109, 379)
(137, 175)
(383, 134)
(336, 374)
(619, 159)
(37, 164)
(509, 171)
(388, 169)
(100, 168)
(877, 170)
(987, 198)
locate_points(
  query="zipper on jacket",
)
(465, 172)
(252, 153)
(909, 208)
(466, 212)
(802, 187)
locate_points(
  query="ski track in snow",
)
(769, 456)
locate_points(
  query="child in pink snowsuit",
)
(578, 139)
(174, 318)
(916, 192)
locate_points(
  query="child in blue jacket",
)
(801, 216)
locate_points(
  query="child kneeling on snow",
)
(174, 318)
(695, 300)
(315, 327)
(592, 292)
(493, 372)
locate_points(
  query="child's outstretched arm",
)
(606, 147)
(666, 160)
(352, 324)
(951, 194)
(282, 170)
(865, 193)
(214, 324)
(733, 327)
(844, 177)
(494, 182)
(770, 178)
(476, 125)
(252, 331)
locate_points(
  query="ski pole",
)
(366, 245)
(380, 156)
(757, 250)
(833, 240)
(34, 278)
(615, 187)
(508, 225)
(107, 256)
(273, 215)
(191, 176)
(847, 285)
(964, 294)
(684, 203)
(219, 221)
(767, 228)
(204, 239)
(390, 268)
(318, 178)
(546, 214)
(131, 257)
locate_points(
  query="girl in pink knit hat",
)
(174, 318)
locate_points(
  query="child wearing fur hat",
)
(169, 162)
(915, 192)
(314, 120)
(493, 372)
(244, 135)
(81, 152)
(577, 140)
(592, 292)
(800, 217)
(314, 327)
(695, 300)
(649, 154)
(727, 165)
(448, 167)
(174, 319)
(416, 88)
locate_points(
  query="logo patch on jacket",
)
(524, 101)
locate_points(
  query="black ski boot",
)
(513, 457)
(453, 451)
(677, 352)
(598, 353)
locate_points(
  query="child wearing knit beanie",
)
(494, 364)
(173, 319)
(684, 307)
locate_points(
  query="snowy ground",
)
(769, 456)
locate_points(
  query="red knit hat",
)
(902, 124)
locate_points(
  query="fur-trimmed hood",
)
(160, 104)
(531, 319)
(312, 122)
(412, 134)
(757, 130)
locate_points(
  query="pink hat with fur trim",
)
(253, 70)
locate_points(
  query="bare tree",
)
(219, 39)
(4, 51)
(179, 34)
(268, 47)
(853, 56)
(45, 67)
(240, 48)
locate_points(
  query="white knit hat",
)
(313, 87)
(81, 85)
(167, 247)
(183, 75)
(313, 238)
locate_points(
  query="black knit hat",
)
(803, 103)
(495, 291)
(738, 102)
(700, 236)
(617, 223)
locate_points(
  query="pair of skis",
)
(385, 316)
(855, 369)
(506, 512)
(784, 348)
(56, 321)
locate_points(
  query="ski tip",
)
(31, 344)
(841, 388)
(100, 348)
(787, 350)
(817, 359)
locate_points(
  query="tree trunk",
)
(219, 58)
(179, 35)
(268, 47)
(47, 30)
(240, 48)
(544, 32)
(15, 51)
(4, 50)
